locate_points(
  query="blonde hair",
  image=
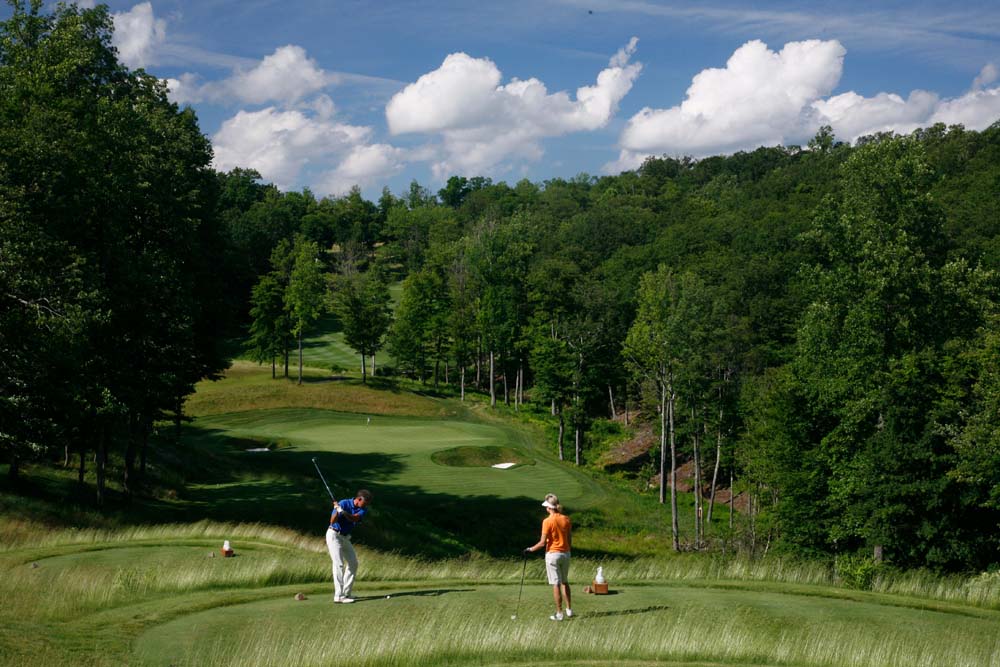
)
(553, 499)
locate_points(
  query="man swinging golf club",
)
(345, 515)
(557, 538)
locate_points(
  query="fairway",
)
(404, 447)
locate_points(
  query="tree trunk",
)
(479, 364)
(144, 447)
(673, 470)
(517, 390)
(12, 471)
(715, 469)
(732, 499)
(697, 485)
(493, 389)
(66, 455)
(128, 478)
(578, 442)
(102, 464)
(300, 357)
(81, 473)
(462, 373)
(663, 443)
(553, 407)
(286, 361)
(364, 371)
(626, 404)
(611, 400)
(274, 371)
(373, 364)
(506, 390)
(178, 418)
(562, 434)
(520, 372)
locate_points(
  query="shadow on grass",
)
(209, 475)
(427, 593)
(627, 612)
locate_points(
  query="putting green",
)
(459, 623)
(403, 447)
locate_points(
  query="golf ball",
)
(387, 597)
(514, 617)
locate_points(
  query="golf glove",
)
(340, 510)
(527, 551)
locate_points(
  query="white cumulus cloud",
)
(138, 34)
(765, 98)
(852, 115)
(281, 144)
(363, 166)
(482, 123)
(287, 75)
(760, 97)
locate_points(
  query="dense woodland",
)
(820, 324)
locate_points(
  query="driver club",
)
(324, 480)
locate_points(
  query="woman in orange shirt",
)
(557, 538)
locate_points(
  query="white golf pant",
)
(345, 562)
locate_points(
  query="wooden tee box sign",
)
(599, 589)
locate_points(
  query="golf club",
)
(524, 565)
(324, 480)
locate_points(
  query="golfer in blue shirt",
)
(345, 515)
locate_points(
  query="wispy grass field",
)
(154, 596)
(146, 585)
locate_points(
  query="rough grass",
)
(248, 386)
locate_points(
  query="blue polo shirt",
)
(346, 526)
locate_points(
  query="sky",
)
(328, 94)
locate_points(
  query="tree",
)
(306, 287)
(886, 304)
(98, 166)
(270, 326)
(658, 347)
(361, 302)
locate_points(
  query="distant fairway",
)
(404, 447)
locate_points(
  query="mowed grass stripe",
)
(410, 442)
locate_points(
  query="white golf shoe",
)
(346, 600)
(569, 613)
(556, 617)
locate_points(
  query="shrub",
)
(859, 572)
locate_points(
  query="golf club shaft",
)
(524, 565)
(324, 481)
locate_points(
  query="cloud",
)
(763, 98)
(282, 144)
(287, 75)
(363, 166)
(852, 115)
(483, 123)
(138, 34)
(975, 110)
(987, 75)
(759, 98)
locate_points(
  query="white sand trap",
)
(504, 466)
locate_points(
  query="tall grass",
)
(458, 635)
(306, 561)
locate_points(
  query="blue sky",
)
(328, 93)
